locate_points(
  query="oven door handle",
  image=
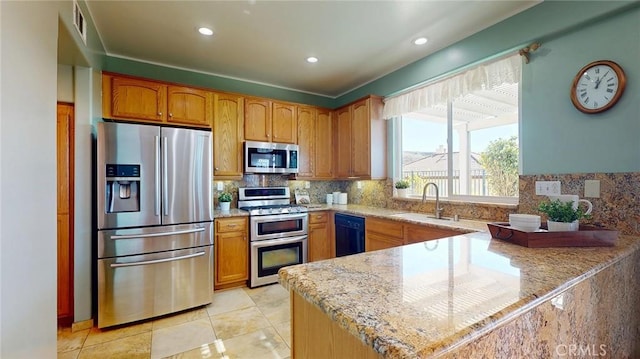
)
(272, 242)
(156, 261)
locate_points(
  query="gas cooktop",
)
(260, 201)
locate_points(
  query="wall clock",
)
(598, 86)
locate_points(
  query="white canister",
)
(336, 197)
(329, 198)
(343, 198)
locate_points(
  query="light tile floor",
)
(239, 323)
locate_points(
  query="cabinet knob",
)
(170, 114)
(159, 113)
(217, 168)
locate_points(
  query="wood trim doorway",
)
(65, 175)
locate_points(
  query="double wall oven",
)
(278, 232)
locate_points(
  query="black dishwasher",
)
(349, 234)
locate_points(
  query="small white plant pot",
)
(225, 206)
(402, 192)
(562, 226)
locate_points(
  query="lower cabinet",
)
(319, 241)
(231, 262)
(415, 233)
(383, 234)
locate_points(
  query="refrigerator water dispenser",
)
(122, 188)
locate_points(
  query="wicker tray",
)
(586, 236)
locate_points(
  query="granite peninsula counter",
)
(468, 296)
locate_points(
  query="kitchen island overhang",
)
(467, 295)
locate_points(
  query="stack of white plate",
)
(524, 222)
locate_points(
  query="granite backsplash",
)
(616, 208)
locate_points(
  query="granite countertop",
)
(463, 225)
(424, 299)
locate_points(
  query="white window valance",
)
(482, 77)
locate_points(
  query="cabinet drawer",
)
(231, 225)
(318, 217)
(389, 228)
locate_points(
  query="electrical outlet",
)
(359, 184)
(307, 184)
(220, 185)
(592, 188)
(548, 188)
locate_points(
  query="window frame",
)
(398, 152)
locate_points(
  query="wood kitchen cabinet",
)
(415, 233)
(270, 121)
(361, 140)
(136, 99)
(319, 238)
(315, 143)
(382, 234)
(231, 263)
(228, 122)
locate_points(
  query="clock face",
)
(597, 86)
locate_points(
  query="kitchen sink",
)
(421, 217)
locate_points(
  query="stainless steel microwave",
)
(270, 157)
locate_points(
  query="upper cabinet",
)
(227, 136)
(361, 140)
(189, 106)
(134, 99)
(315, 141)
(270, 121)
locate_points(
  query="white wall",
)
(28, 284)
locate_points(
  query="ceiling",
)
(267, 42)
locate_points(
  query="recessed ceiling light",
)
(420, 41)
(205, 31)
(312, 59)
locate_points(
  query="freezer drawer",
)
(133, 241)
(139, 287)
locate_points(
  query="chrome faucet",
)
(424, 197)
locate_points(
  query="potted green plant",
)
(401, 187)
(562, 216)
(225, 200)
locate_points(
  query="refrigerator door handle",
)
(161, 234)
(165, 177)
(157, 175)
(156, 261)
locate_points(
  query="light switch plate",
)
(220, 185)
(548, 188)
(592, 188)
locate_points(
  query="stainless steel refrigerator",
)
(155, 221)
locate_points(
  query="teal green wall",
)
(556, 137)
(130, 67)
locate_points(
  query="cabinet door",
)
(138, 99)
(361, 139)
(284, 123)
(257, 120)
(189, 106)
(231, 251)
(319, 237)
(306, 141)
(343, 143)
(227, 136)
(319, 242)
(417, 233)
(323, 164)
(374, 242)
